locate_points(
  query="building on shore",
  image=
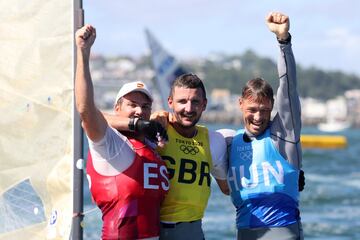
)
(109, 74)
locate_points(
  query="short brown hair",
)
(188, 80)
(259, 90)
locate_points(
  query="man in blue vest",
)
(265, 156)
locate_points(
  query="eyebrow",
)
(261, 108)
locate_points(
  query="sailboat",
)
(336, 112)
(166, 67)
(334, 126)
(40, 140)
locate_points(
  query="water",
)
(329, 205)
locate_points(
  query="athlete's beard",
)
(193, 123)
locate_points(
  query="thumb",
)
(172, 118)
(161, 117)
(268, 18)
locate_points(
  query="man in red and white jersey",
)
(128, 180)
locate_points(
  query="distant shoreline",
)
(225, 117)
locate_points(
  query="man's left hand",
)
(279, 24)
(301, 180)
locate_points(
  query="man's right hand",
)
(85, 37)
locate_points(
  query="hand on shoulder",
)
(163, 117)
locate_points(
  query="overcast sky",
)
(326, 33)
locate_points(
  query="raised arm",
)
(288, 102)
(93, 121)
(286, 125)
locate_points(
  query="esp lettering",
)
(151, 172)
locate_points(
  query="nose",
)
(257, 116)
(138, 110)
(188, 106)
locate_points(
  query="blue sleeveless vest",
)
(264, 186)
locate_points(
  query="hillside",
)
(232, 71)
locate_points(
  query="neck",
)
(249, 134)
(185, 132)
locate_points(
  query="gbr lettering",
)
(188, 171)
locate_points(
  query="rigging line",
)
(90, 210)
(23, 186)
(22, 189)
(14, 197)
(32, 217)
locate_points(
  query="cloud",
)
(344, 38)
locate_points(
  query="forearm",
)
(92, 120)
(223, 185)
(84, 93)
(117, 122)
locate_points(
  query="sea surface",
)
(329, 205)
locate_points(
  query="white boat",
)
(334, 126)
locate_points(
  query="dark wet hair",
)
(258, 90)
(188, 80)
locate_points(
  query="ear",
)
(117, 107)
(170, 102)
(204, 104)
(240, 101)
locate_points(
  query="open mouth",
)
(256, 125)
(188, 116)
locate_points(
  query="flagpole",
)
(78, 194)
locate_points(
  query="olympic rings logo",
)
(246, 155)
(189, 149)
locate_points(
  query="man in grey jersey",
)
(265, 156)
